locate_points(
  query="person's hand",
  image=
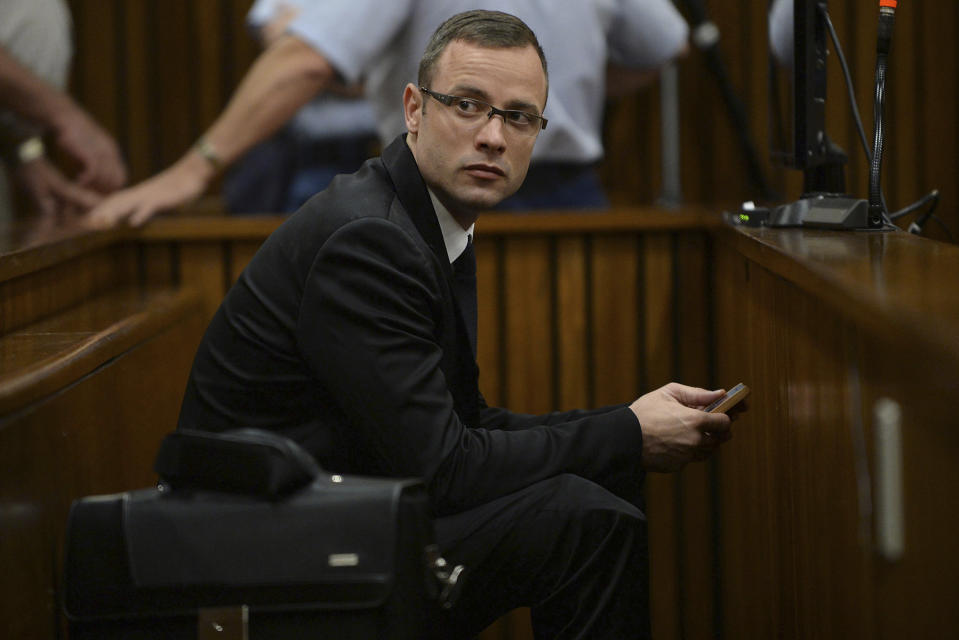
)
(675, 429)
(53, 195)
(101, 166)
(178, 185)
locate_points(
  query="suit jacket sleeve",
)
(500, 418)
(367, 328)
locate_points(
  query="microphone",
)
(887, 18)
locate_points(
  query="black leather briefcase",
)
(256, 543)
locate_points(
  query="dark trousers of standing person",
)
(571, 550)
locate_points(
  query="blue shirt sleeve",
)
(350, 34)
(646, 34)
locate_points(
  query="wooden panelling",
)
(97, 434)
(697, 545)
(822, 326)
(205, 266)
(529, 322)
(139, 131)
(36, 295)
(240, 255)
(573, 324)
(790, 469)
(658, 360)
(490, 302)
(51, 354)
(916, 593)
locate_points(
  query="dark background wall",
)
(157, 72)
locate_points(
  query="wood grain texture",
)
(45, 291)
(490, 302)
(240, 255)
(97, 434)
(658, 339)
(205, 266)
(817, 324)
(49, 355)
(530, 325)
(572, 286)
(697, 546)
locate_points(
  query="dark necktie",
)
(464, 287)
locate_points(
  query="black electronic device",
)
(731, 398)
(797, 74)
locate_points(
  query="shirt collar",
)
(454, 236)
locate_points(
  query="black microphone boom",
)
(705, 37)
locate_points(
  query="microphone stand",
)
(705, 37)
(887, 17)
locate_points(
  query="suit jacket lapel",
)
(411, 191)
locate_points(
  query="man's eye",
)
(519, 118)
(467, 107)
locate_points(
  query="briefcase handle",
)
(246, 461)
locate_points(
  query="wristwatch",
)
(29, 150)
(23, 151)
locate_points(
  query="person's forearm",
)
(29, 96)
(284, 78)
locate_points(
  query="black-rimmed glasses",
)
(471, 109)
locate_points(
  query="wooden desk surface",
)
(892, 284)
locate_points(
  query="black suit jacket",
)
(344, 334)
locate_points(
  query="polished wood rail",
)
(781, 535)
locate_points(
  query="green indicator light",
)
(744, 217)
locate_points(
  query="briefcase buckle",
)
(223, 623)
(446, 578)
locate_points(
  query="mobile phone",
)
(733, 397)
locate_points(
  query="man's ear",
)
(412, 108)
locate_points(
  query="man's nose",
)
(492, 133)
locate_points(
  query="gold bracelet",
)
(208, 152)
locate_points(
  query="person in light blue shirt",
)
(581, 39)
(332, 134)
(379, 43)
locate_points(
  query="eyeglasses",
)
(470, 109)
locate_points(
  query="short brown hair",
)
(493, 29)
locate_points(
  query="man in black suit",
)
(353, 332)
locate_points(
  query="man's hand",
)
(675, 429)
(181, 184)
(51, 192)
(101, 166)
(72, 129)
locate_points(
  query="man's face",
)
(473, 166)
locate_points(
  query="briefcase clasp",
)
(223, 623)
(448, 578)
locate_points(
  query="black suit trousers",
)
(571, 550)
